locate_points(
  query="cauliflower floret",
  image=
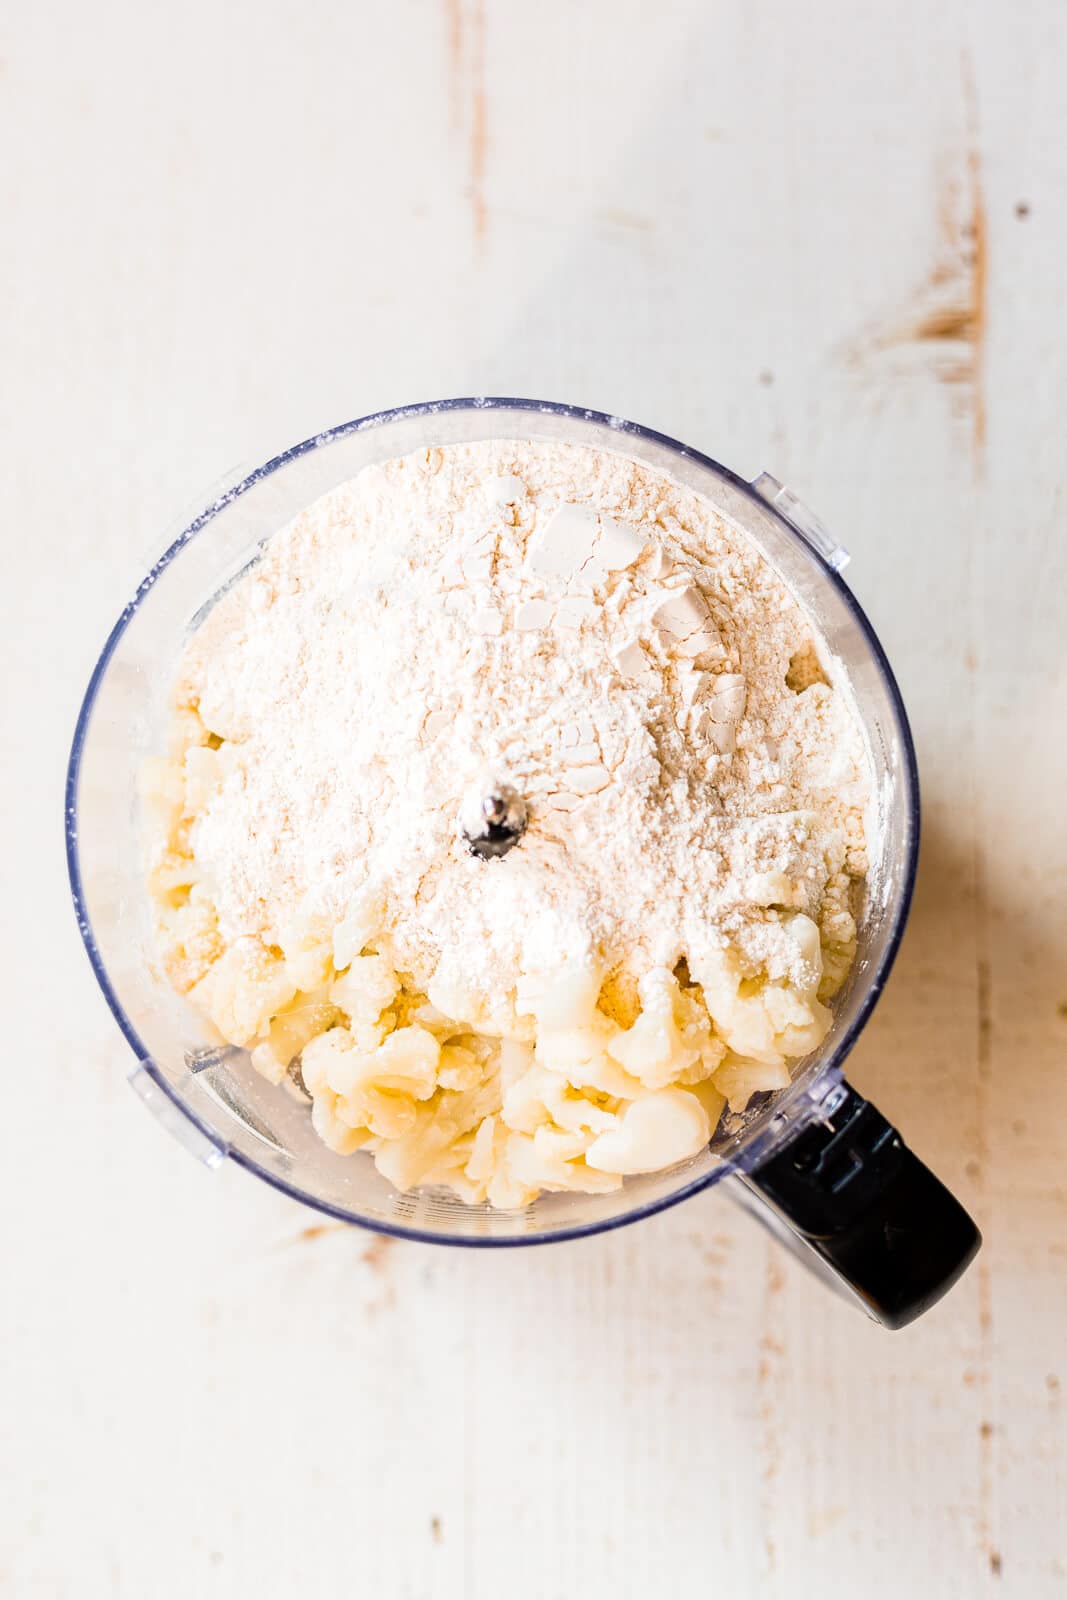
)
(292, 1029)
(364, 991)
(773, 889)
(657, 1131)
(243, 990)
(407, 1061)
(376, 1088)
(460, 1068)
(538, 1169)
(578, 1110)
(566, 999)
(712, 1099)
(671, 1036)
(409, 1159)
(160, 790)
(515, 1059)
(505, 1192)
(523, 1107)
(762, 1020)
(739, 1079)
(497, 1019)
(837, 928)
(192, 942)
(581, 1057)
(318, 1054)
(186, 729)
(489, 1140)
(172, 876)
(485, 1174)
(268, 1064)
(357, 928)
(203, 771)
(440, 1140)
(334, 1133)
(805, 936)
(561, 1144)
(307, 944)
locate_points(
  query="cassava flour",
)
(580, 628)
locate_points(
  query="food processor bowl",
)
(825, 1170)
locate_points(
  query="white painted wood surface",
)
(745, 223)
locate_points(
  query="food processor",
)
(815, 1161)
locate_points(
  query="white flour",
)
(431, 626)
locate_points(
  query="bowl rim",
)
(830, 1069)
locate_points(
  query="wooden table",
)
(828, 240)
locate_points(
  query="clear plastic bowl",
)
(211, 1097)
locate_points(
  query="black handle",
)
(849, 1189)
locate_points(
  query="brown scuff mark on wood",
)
(769, 1374)
(376, 1252)
(317, 1230)
(479, 137)
(942, 328)
(978, 261)
(716, 1258)
(983, 1087)
(454, 46)
(632, 220)
(436, 1530)
(468, 101)
(375, 1255)
(821, 1521)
